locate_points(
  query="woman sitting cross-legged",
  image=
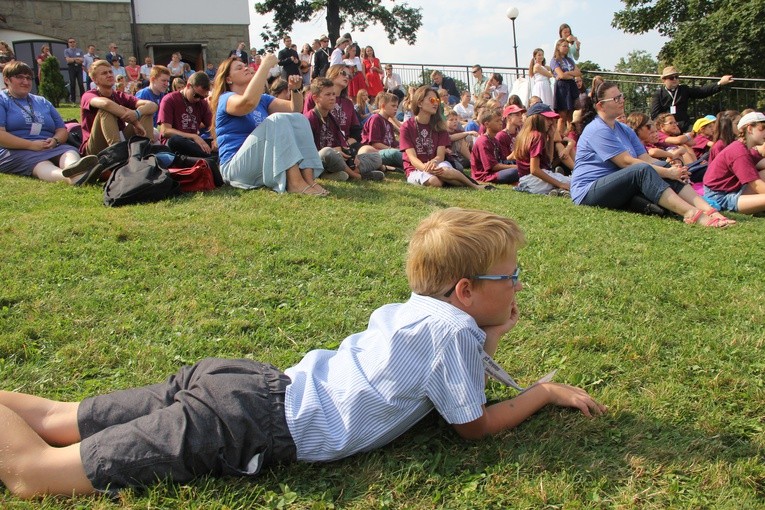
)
(33, 135)
(424, 141)
(261, 141)
(612, 166)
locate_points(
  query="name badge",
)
(36, 129)
(673, 109)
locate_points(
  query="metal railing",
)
(637, 88)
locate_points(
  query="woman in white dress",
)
(540, 77)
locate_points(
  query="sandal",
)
(712, 222)
(322, 193)
(714, 213)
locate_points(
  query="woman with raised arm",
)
(262, 142)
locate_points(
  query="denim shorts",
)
(723, 200)
(220, 417)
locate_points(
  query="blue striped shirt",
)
(413, 357)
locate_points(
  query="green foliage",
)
(638, 62)
(661, 321)
(588, 66)
(637, 90)
(709, 38)
(400, 22)
(52, 84)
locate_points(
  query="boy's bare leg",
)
(29, 467)
(54, 422)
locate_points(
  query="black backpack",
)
(141, 179)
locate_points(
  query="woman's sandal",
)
(714, 213)
(322, 193)
(712, 223)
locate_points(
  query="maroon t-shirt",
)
(378, 130)
(536, 150)
(700, 145)
(88, 113)
(423, 139)
(506, 143)
(343, 112)
(182, 114)
(326, 132)
(733, 168)
(485, 154)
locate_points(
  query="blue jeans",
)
(615, 190)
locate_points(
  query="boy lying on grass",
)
(232, 417)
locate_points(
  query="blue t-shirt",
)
(148, 95)
(18, 115)
(231, 130)
(597, 145)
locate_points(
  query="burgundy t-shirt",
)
(536, 150)
(183, 115)
(733, 168)
(506, 143)
(423, 139)
(485, 154)
(326, 132)
(343, 112)
(378, 130)
(700, 145)
(88, 114)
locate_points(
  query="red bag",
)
(197, 178)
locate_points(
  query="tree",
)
(400, 22)
(709, 37)
(588, 66)
(52, 85)
(637, 90)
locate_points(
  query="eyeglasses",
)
(474, 71)
(434, 101)
(673, 77)
(616, 99)
(491, 277)
(345, 73)
(199, 96)
(670, 123)
(22, 77)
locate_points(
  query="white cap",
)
(750, 118)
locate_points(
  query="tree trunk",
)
(333, 21)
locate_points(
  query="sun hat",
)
(341, 40)
(541, 109)
(703, 121)
(669, 71)
(750, 118)
(323, 38)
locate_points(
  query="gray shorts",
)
(218, 417)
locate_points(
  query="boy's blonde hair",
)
(456, 243)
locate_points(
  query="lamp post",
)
(512, 13)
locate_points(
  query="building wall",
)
(102, 22)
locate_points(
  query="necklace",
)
(30, 111)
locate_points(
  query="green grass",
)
(661, 321)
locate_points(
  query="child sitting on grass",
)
(486, 161)
(703, 130)
(735, 180)
(233, 417)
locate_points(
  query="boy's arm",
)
(511, 413)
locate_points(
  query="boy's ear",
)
(463, 292)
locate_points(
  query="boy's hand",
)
(570, 396)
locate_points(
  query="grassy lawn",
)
(662, 322)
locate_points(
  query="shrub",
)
(52, 85)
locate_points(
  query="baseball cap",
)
(542, 109)
(750, 118)
(509, 110)
(703, 121)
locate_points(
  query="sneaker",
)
(335, 176)
(557, 192)
(84, 164)
(374, 175)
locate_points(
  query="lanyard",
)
(30, 112)
(497, 372)
(672, 95)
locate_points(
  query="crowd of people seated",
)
(358, 122)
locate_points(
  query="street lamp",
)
(512, 13)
